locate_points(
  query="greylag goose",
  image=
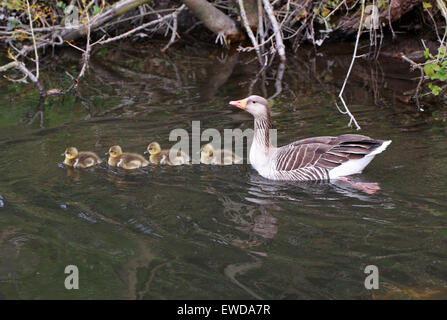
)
(218, 157)
(80, 159)
(125, 160)
(158, 156)
(319, 158)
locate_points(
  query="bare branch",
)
(278, 35)
(143, 26)
(249, 31)
(34, 39)
(415, 65)
(174, 28)
(354, 56)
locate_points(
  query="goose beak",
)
(146, 152)
(63, 154)
(241, 104)
(107, 153)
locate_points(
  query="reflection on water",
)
(204, 232)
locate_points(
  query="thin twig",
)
(354, 56)
(174, 28)
(249, 31)
(278, 36)
(421, 79)
(34, 39)
(143, 26)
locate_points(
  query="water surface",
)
(206, 232)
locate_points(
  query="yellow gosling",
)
(217, 157)
(159, 156)
(80, 159)
(128, 161)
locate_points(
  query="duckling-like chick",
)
(218, 157)
(159, 156)
(118, 158)
(80, 159)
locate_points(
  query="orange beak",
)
(241, 104)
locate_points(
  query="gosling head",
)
(207, 150)
(256, 105)
(115, 151)
(70, 153)
(153, 148)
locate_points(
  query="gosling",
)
(217, 157)
(125, 160)
(82, 159)
(159, 156)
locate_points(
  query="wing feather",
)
(324, 152)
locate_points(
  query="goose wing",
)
(324, 152)
(133, 160)
(88, 157)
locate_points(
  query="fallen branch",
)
(73, 33)
(143, 26)
(28, 74)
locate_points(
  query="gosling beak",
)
(146, 152)
(107, 153)
(241, 104)
(63, 154)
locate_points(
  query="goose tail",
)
(381, 148)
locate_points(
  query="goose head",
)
(153, 148)
(256, 105)
(115, 151)
(70, 153)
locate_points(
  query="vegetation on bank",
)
(270, 28)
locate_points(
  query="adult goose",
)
(319, 158)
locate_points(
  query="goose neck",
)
(262, 128)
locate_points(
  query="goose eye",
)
(254, 102)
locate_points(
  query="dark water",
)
(205, 232)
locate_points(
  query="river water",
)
(207, 232)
